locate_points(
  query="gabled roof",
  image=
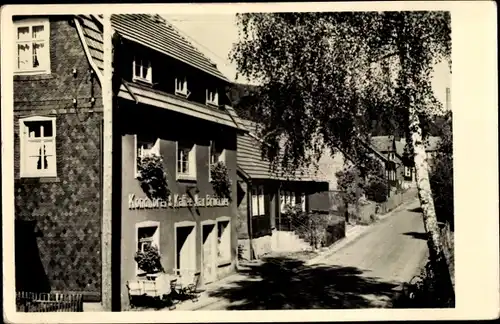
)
(91, 28)
(250, 161)
(158, 34)
(384, 144)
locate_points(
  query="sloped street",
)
(364, 273)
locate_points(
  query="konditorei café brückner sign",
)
(175, 201)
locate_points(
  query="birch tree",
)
(327, 77)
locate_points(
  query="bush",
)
(376, 190)
(220, 180)
(152, 176)
(441, 178)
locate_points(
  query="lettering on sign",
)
(175, 201)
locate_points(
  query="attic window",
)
(142, 70)
(181, 87)
(212, 98)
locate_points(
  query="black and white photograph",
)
(158, 161)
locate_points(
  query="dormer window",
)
(142, 69)
(181, 87)
(212, 98)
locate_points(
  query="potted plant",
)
(220, 180)
(149, 261)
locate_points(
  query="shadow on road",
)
(417, 235)
(415, 210)
(289, 284)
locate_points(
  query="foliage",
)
(149, 259)
(220, 180)
(441, 176)
(348, 181)
(152, 176)
(311, 226)
(327, 77)
(376, 190)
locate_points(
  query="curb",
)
(356, 232)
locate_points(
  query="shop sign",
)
(176, 201)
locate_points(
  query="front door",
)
(209, 252)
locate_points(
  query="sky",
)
(214, 36)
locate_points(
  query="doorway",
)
(185, 246)
(209, 252)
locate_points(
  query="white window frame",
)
(155, 150)
(30, 23)
(221, 158)
(226, 257)
(24, 170)
(181, 87)
(282, 201)
(212, 98)
(258, 201)
(142, 62)
(407, 171)
(303, 201)
(191, 174)
(155, 238)
(391, 156)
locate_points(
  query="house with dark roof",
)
(171, 103)
(58, 114)
(169, 106)
(399, 168)
(263, 195)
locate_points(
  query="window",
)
(181, 87)
(216, 154)
(212, 98)
(147, 234)
(303, 201)
(258, 207)
(33, 50)
(282, 201)
(407, 171)
(223, 241)
(391, 156)
(145, 146)
(38, 147)
(186, 161)
(142, 69)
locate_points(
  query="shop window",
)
(142, 69)
(216, 154)
(258, 207)
(147, 234)
(181, 87)
(38, 147)
(33, 50)
(186, 161)
(145, 146)
(224, 241)
(212, 98)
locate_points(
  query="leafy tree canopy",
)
(327, 77)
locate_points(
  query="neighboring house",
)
(400, 170)
(57, 155)
(263, 195)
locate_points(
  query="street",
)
(362, 274)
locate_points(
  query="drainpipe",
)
(249, 217)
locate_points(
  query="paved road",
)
(362, 274)
(391, 250)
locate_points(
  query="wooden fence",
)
(48, 302)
